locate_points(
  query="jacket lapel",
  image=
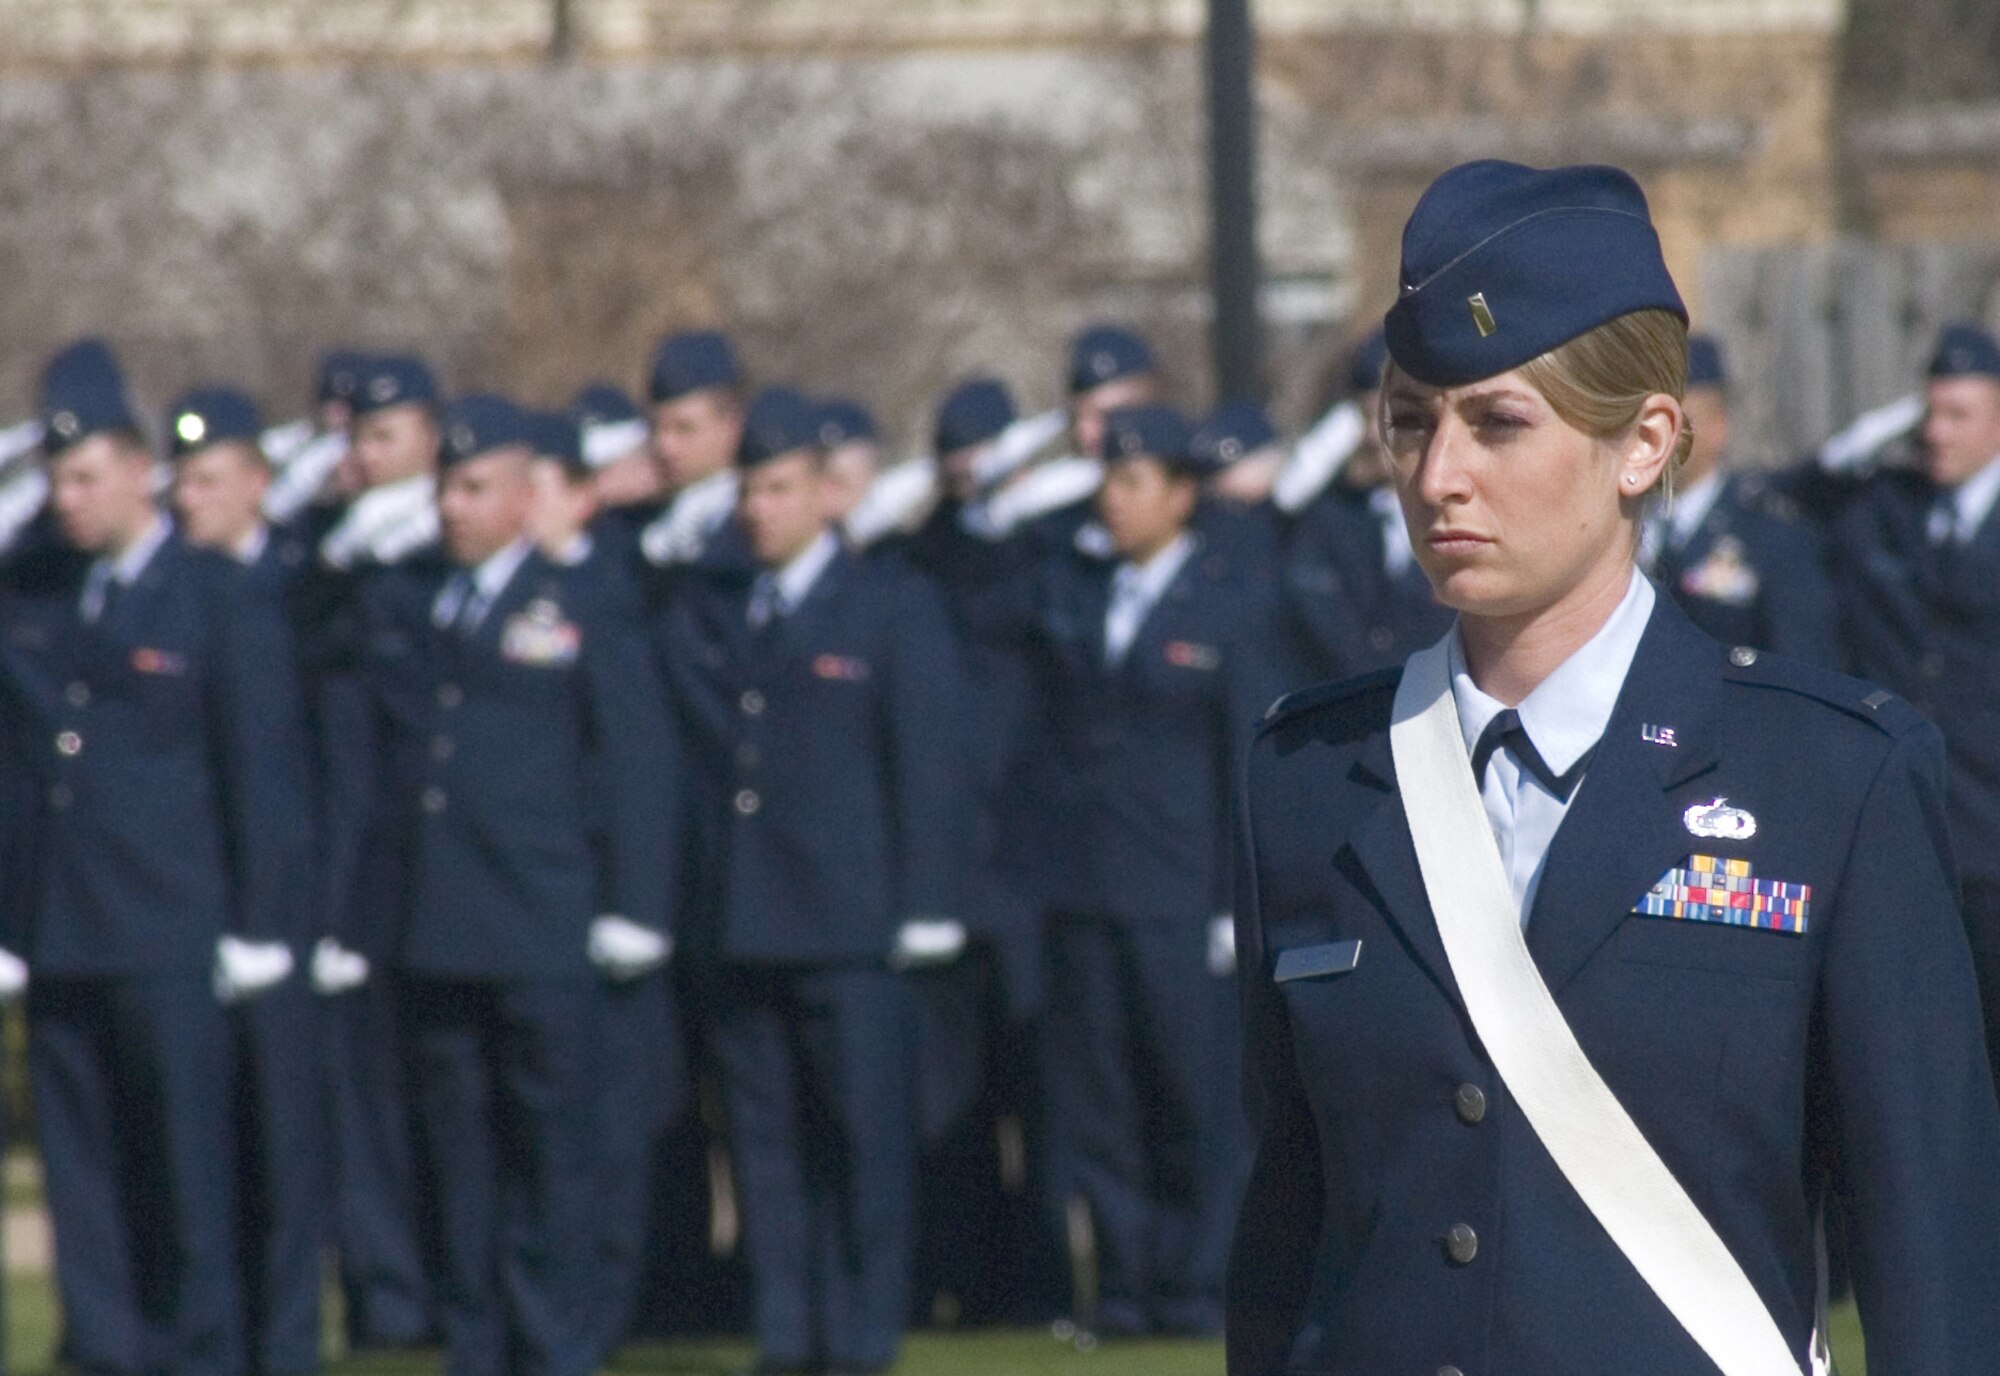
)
(1386, 856)
(1624, 831)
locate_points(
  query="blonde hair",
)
(1598, 381)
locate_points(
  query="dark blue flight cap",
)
(779, 421)
(479, 424)
(1106, 353)
(972, 413)
(340, 373)
(211, 415)
(394, 381)
(843, 420)
(603, 404)
(1364, 369)
(692, 362)
(556, 435)
(78, 408)
(1706, 367)
(1153, 432)
(1502, 263)
(1239, 428)
(1965, 350)
(83, 366)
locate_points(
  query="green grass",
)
(31, 1338)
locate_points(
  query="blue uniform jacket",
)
(1348, 614)
(1758, 1063)
(531, 774)
(1144, 754)
(1753, 573)
(162, 752)
(830, 747)
(1925, 620)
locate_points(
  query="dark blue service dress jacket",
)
(1403, 1216)
(831, 745)
(1348, 613)
(160, 753)
(1754, 573)
(1924, 619)
(1144, 752)
(530, 773)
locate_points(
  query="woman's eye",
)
(1501, 423)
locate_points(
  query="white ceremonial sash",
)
(1594, 1141)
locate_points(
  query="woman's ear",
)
(1652, 446)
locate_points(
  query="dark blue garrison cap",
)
(211, 415)
(479, 424)
(82, 366)
(1706, 366)
(1106, 353)
(1965, 351)
(602, 404)
(692, 362)
(779, 421)
(340, 372)
(1239, 428)
(1502, 263)
(972, 413)
(556, 435)
(393, 381)
(1152, 432)
(843, 420)
(80, 408)
(1364, 369)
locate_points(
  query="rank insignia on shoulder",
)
(1725, 576)
(1715, 819)
(539, 636)
(148, 661)
(1186, 654)
(841, 668)
(1709, 889)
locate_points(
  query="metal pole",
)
(1237, 339)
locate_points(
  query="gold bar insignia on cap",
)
(1482, 314)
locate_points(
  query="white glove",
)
(335, 969)
(245, 969)
(1222, 946)
(13, 976)
(623, 950)
(923, 942)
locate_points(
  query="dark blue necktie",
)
(1506, 730)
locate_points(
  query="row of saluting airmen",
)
(440, 780)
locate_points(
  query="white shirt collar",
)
(1149, 581)
(577, 550)
(796, 578)
(492, 574)
(1973, 499)
(1568, 711)
(252, 546)
(127, 567)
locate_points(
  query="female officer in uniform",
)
(1584, 956)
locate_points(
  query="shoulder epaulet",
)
(1853, 697)
(1358, 695)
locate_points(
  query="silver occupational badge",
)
(1717, 819)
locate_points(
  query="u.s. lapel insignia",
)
(1712, 889)
(1658, 735)
(539, 636)
(1716, 820)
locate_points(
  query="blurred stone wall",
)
(877, 195)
